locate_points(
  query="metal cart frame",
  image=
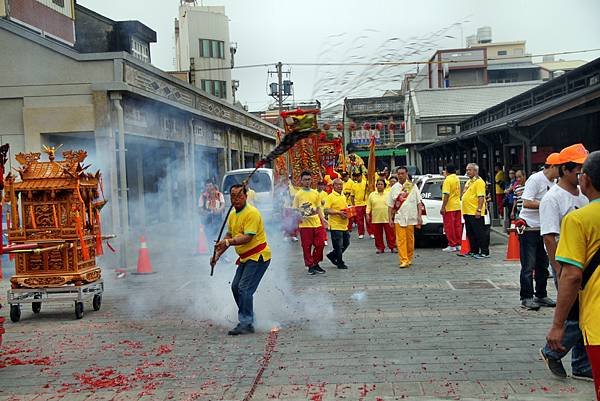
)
(68, 293)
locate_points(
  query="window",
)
(216, 88)
(502, 53)
(60, 3)
(443, 130)
(212, 48)
(140, 50)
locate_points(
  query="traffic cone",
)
(144, 266)
(513, 252)
(202, 246)
(465, 247)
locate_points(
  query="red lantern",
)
(326, 126)
(339, 127)
(352, 126)
(322, 136)
(392, 126)
(379, 126)
(402, 125)
(367, 126)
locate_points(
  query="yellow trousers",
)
(405, 241)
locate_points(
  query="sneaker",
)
(379, 251)
(457, 248)
(555, 366)
(372, 236)
(586, 376)
(448, 249)
(331, 259)
(240, 329)
(342, 266)
(361, 236)
(319, 269)
(546, 301)
(394, 250)
(404, 265)
(484, 256)
(326, 244)
(295, 239)
(530, 304)
(476, 255)
(311, 271)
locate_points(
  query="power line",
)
(396, 63)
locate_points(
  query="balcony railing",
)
(362, 138)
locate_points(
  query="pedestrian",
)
(450, 209)
(561, 199)
(509, 196)
(360, 193)
(348, 183)
(308, 204)
(246, 232)
(211, 205)
(579, 255)
(391, 181)
(534, 260)
(517, 190)
(404, 208)
(499, 180)
(473, 211)
(335, 205)
(322, 197)
(378, 217)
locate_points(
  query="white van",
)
(262, 183)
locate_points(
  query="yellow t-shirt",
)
(248, 221)
(322, 197)
(451, 186)
(337, 202)
(308, 201)
(579, 241)
(360, 192)
(251, 196)
(500, 177)
(347, 191)
(474, 188)
(377, 206)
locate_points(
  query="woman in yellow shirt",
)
(377, 215)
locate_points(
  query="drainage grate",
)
(470, 284)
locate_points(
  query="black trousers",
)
(340, 241)
(478, 234)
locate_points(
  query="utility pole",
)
(279, 67)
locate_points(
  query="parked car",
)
(261, 182)
(430, 186)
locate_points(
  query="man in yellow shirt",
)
(246, 232)
(450, 209)
(473, 210)
(500, 181)
(347, 191)
(360, 193)
(322, 197)
(578, 253)
(308, 203)
(335, 204)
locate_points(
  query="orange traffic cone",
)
(465, 247)
(144, 266)
(202, 246)
(513, 252)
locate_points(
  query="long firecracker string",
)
(11, 256)
(55, 216)
(99, 249)
(32, 217)
(84, 249)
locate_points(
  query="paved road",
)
(447, 328)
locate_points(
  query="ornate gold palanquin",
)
(55, 215)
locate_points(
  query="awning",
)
(383, 152)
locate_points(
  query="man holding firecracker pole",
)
(308, 203)
(245, 232)
(404, 202)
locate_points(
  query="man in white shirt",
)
(532, 253)
(561, 199)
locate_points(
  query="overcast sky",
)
(309, 31)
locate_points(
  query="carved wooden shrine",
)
(54, 220)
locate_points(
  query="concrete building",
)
(550, 68)
(155, 138)
(434, 114)
(202, 43)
